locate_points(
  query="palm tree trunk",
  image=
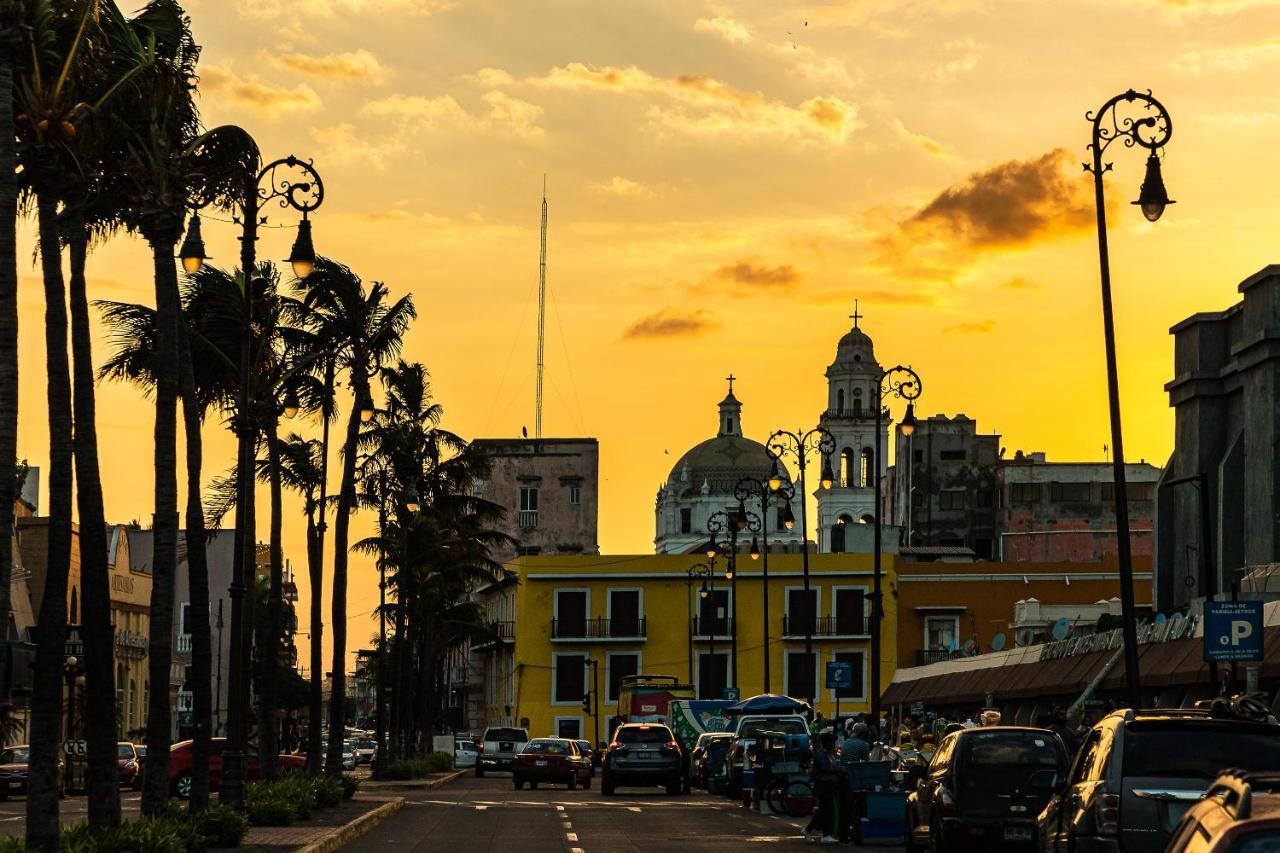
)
(197, 580)
(8, 343)
(95, 584)
(401, 709)
(341, 534)
(315, 567)
(155, 791)
(269, 742)
(46, 697)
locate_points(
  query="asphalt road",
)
(490, 815)
(73, 809)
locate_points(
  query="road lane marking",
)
(481, 808)
(635, 809)
(572, 836)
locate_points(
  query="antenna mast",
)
(542, 310)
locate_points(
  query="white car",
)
(348, 756)
(364, 750)
(464, 753)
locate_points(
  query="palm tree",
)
(363, 329)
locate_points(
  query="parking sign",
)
(1233, 631)
(839, 675)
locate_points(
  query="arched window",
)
(857, 401)
(73, 613)
(837, 538)
(847, 471)
(868, 519)
(867, 469)
(840, 400)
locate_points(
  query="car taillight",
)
(738, 751)
(1108, 814)
(479, 747)
(946, 802)
(614, 744)
(673, 744)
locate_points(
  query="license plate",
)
(15, 784)
(539, 764)
(644, 756)
(1017, 833)
(503, 746)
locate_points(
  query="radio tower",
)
(542, 311)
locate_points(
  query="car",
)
(365, 747)
(349, 755)
(1239, 814)
(584, 746)
(14, 771)
(464, 753)
(642, 754)
(706, 760)
(182, 755)
(1138, 772)
(744, 738)
(551, 759)
(498, 746)
(984, 788)
(130, 765)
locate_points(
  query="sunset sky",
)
(724, 180)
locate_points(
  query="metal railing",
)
(824, 626)
(527, 519)
(184, 644)
(867, 412)
(924, 657)
(712, 626)
(505, 629)
(599, 629)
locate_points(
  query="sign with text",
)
(731, 694)
(1232, 631)
(839, 675)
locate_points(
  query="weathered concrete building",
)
(550, 488)
(944, 489)
(1225, 394)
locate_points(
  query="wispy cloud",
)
(359, 65)
(1235, 58)
(1011, 205)
(927, 144)
(697, 103)
(976, 327)
(1019, 283)
(726, 28)
(671, 323)
(222, 82)
(623, 188)
(504, 113)
(753, 274)
(340, 8)
(906, 296)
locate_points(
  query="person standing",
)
(825, 780)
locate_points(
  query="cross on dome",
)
(855, 316)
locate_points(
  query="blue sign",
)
(1233, 631)
(839, 675)
(732, 694)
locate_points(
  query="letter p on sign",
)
(1240, 630)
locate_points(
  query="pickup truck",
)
(498, 747)
(744, 739)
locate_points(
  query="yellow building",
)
(566, 623)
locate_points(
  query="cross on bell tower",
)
(730, 412)
(855, 316)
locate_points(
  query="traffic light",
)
(586, 703)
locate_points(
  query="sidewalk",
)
(369, 787)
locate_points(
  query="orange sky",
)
(725, 178)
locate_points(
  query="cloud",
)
(222, 82)
(966, 60)
(490, 77)
(504, 113)
(344, 144)
(1235, 58)
(697, 103)
(341, 8)
(359, 65)
(671, 323)
(758, 276)
(977, 327)
(1019, 283)
(623, 188)
(1011, 205)
(930, 146)
(845, 296)
(726, 28)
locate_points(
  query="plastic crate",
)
(867, 775)
(886, 832)
(886, 805)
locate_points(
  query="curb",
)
(355, 829)
(412, 784)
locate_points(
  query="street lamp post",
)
(1150, 129)
(749, 487)
(800, 445)
(733, 523)
(378, 771)
(706, 572)
(273, 182)
(900, 381)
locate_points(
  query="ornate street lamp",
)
(1140, 120)
(733, 523)
(801, 445)
(707, 572)
(903, 382)
(764, 491)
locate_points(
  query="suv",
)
(745, 736)
(497, 747)
(1138, 772)
(1241, 812)
(985, 787)
(642, 754)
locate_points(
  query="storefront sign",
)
(1175, 628)
(1233, 630)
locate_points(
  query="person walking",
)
(825, 782)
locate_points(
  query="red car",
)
(130, 765)
(13, 772)
(182, 754)
(551, 760)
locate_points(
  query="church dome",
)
(721, 462)
(856, 351)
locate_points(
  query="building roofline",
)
(520, 440)
(1204, 317)
(1269, 271)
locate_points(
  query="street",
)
(73, 809)
(489, 815)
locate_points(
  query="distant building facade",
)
(550, 489)
(1227, 427)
